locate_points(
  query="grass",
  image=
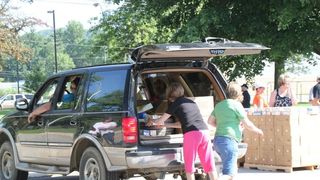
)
(303, 104)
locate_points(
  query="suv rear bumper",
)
(155, 159)
(171, 159)
(168, 158)
(242, 149)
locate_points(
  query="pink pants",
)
(198, 142)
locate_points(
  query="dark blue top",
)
(246, 99)
(68, 97)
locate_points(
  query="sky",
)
(65, 10)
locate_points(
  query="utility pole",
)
(54, 40)
(18, 78)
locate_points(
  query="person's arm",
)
(173, 125)
(159, 121)
(212, 121)
(41, 109)
(315, 102)
(272, 98)
(250, 126)
(265, 103)
(311, 96)
(292, 96)
(261, 102)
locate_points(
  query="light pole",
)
(18, 78)
(54, 40)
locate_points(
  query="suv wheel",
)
(92, 166)
(8, 170)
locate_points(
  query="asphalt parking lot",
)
(244, 174)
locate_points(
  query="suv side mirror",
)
(22, 104)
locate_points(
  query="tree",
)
(287, 28)
(73, 39)
(10, 27)
(35, 77)
(128, 28)
(42, 65)
(43, 68)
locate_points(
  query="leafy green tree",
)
(42, 64)
(35, 76)
(287, 27)
(94, 54)
(41, 69)
(78, 43)
(72, 38)
(128, 28)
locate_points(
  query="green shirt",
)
(228, 114)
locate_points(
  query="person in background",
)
(226, 117)
(283, 96)
(246, 96)
(258, 100)
(314, 95)
(196, 138)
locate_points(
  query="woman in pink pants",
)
(196, 138)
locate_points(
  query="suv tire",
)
(8, 170)
(92, 166)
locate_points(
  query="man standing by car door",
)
(246, 96)
(314, 96)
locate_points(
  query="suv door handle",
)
(73, 122)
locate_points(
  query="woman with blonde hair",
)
(282, 96)
(196, 138)
(227, 117)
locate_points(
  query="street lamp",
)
(54, 39)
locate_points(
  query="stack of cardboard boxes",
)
(291, 138)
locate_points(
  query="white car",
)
(8, 101)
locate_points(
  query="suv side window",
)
(28, 96)
(10, 97)
(68, 93)
(47, 93)
(18, 96)
(106, 91)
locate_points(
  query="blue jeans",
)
(227, 148)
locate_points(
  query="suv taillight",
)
(129, 129)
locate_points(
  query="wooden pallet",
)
(278, 168)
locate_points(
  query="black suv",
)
(101, 132)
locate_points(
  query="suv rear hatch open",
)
(213, 47)
(187, 63)
(156, 66)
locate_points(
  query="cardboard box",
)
(291, 137)
(267, 155)
(252, 155)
